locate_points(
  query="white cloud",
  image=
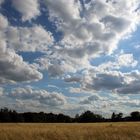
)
(111, 81)
(132, 103)
(105, 22)
(3, 22)
(29, 39)
(1, 91)
(65, 10)
(120, 61)
(91, 99)
(107, 105)
(114, 23)
(69, 78)
(59, 62)
(75, 90)
(43, 96)
(82, 90)
(26, 105)
(132, 88)
(28, 8)
(12, 67)
(127, 60)
(90, 31)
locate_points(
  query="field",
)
(89, 131)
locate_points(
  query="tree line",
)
(8, 115)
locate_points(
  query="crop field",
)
(74, 131)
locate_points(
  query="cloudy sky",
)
(70, 56)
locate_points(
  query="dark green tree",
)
(135, 116)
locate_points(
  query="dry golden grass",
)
(89, 131)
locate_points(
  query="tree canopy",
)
(7, 115)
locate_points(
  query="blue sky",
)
(70, 56)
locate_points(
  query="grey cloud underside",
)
(107, 81)
(12, 74)
(90, 99)
(13, 69)
(114, 81)
(133, 88)
(116, 104)
(43, 96)
(28, 39)
(1, 91)
(115, 23)
(72, 79)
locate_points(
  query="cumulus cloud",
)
(103, 81)
(43, 96)
(91, 99)
(115, 23)
(81, 90)
(55, 70)
(14, 39)
(12, 67)
(110, 103)
(81, 52)
(127, 60)
(72, 79)
(65, 10)
(107, 81)
(75, 90)
(26, 105)
(1, 91)
(119, 61)
(3, 21)
(28, 8)
(113, 81)
(29, 39)
(132, 103)
(102, 21)
(132, 88)
(125, 102)
(89, 29)
(58, 63)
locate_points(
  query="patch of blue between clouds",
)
(30, 56)
(128, 45)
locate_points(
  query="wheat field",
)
(74, 131)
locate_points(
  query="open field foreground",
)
(96, 131)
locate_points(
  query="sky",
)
(70, 56)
